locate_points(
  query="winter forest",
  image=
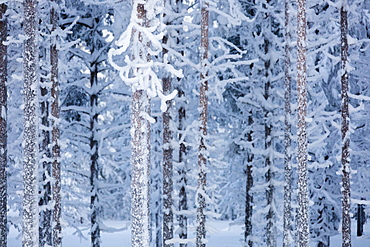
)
(173, 123)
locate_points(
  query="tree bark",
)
(94, 166)
(55, 133)
(167, 162)
(303, 214)
(287, 225)
(248, 190)
(203, 105)
(346, 169)
(183, 200)
(30, 133)
(140, 134)
(3, 124)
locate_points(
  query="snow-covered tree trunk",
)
(140, 234)
(183, 200)
(55, 133)
(3, 126)
(167, 161)
(270, 190)
(30, 132)
(203, 106)
(94, 156)
(346, 169)
(140, 111)
(303, 214)
(248, 190)
(287, 224)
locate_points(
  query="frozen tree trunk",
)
(140, 235)
(3, 124)
(55, 134)
(346, 169)
(270, 190)
(140, 134)
(183, 200)
(30, 132)
(303, 214)
(287, 224)
(360, 218)
(94, 156)
(248, 190)
(203, 106)
(167, 163)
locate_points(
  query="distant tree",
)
(3, 126)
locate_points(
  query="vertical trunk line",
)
(203, 104)
(3, 126)
(30, 133)
(55, 134)
(346, 169)
(287, 224)
(303, 214)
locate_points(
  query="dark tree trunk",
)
(94, 166)
(183, 200)
(3, 129)
(361, 218)
(248, 190)
(167, 163)
(203, 105)
(55, 134)
(346, 169)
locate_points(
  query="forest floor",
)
(222, 234)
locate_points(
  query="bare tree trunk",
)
(30, 133)
(55, 134)
(287, 225)
(346, 168)
(3, 124)
(94, 166)
(167, 163)
(248, 190)
(203, 105)
(303, 214)
(183, 200)
(140, 235)
(140, 183)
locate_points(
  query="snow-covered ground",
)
(222, 235)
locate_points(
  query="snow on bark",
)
(303, 214)
(248, 191)
(183, 200)
(55, 134)
(287, 224)
(167, 163)
(203, 106)
(94, 156)
(30, 132)
(140, 234)
(346, 170)
(3, 129)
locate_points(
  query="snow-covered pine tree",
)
(3, 125)
(303, 214)
(30, 131)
